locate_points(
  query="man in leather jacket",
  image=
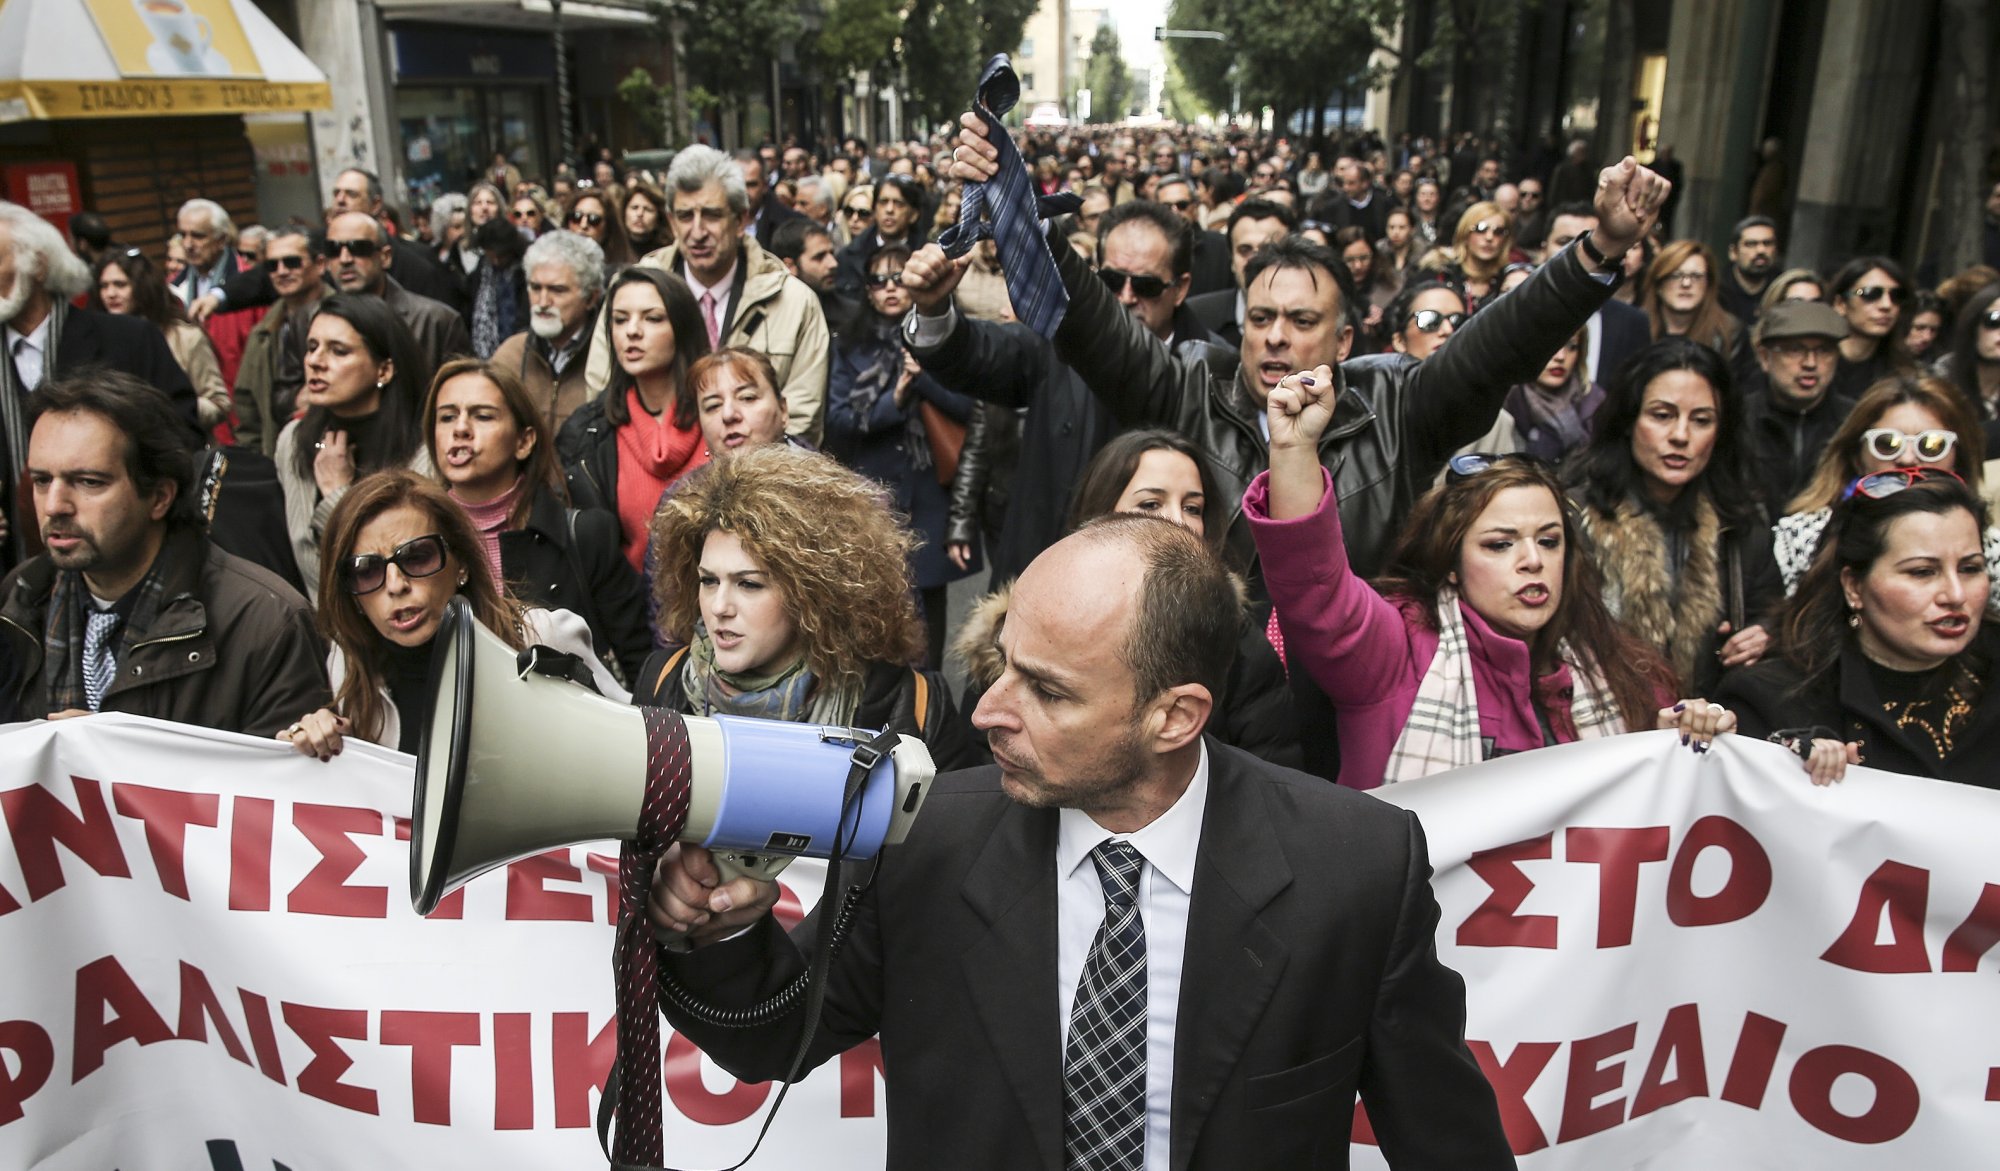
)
(1397, 421)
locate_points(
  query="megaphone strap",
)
(634, 935)
(669, 780)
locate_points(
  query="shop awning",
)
(149, 58)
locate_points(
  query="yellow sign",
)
(175, 38)
(42, 100)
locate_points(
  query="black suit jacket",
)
(1211, 271)
(774, 217)
(1217, 311)
(1310, 973)
(1626, 330)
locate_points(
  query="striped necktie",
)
(1104, 1060)
(1033, 283)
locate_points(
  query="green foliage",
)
(857, 35)
(730, 42)
(1184, 103)
(1108, 77)
(648, 101)
(1285, 52)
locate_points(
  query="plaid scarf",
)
(790, 694)
(1443, 728)
(62, 637)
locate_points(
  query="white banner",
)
(1673, 962)
(1681, 961)
(212, 963)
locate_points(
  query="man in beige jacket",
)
(746, 295)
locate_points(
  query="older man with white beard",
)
(44, 337)
(565, 283)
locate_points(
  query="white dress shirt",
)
(1169, 844)
(30, 354)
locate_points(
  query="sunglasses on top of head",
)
(1882, 485)
(1468, 464)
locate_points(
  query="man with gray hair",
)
(746, 296)
(42, 337)
(565, 283)
(213, 261)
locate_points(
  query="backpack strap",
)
(666, 671)
(923, 704)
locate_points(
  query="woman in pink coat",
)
(1487, 636)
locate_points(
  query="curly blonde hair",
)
(825, 536)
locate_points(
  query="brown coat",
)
(233, 646)
(556, 399)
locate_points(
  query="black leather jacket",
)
(1396, 422)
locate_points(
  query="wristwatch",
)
(1594, 260)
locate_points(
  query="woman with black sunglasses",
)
(1883, 656)
(1664, 496)
(1973, 364)
(397, 551)
(589, 214)
(1487, 636)
(1870, 292)
(888, 420)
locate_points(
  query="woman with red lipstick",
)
(484, 437)
(786, 580)
(1684, 548)
(398, 550)
(624, 448)
(1486, 637)
(1882, 655)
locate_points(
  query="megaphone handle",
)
(762, 867)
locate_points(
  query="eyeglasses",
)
(418, 557)
(1882, 485)
(360, 249)
(287, 263)
(1489, 227)
(520, 215)
(1887, 443)
(1466, 465)
(1143, 287)
(855, 213)
(882, 280)
(1897, 294)
(1991, 320)
(586, 217)
(1686, 277)
(1178, 204)
(1430, 320)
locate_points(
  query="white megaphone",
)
(514, 763)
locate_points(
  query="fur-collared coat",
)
(1726, 574)
(1254, 712)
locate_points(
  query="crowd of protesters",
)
(1495, 459)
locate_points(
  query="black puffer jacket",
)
(888, 700)
(1396, 422)
(571, 559)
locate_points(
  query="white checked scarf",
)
(1443, 729)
